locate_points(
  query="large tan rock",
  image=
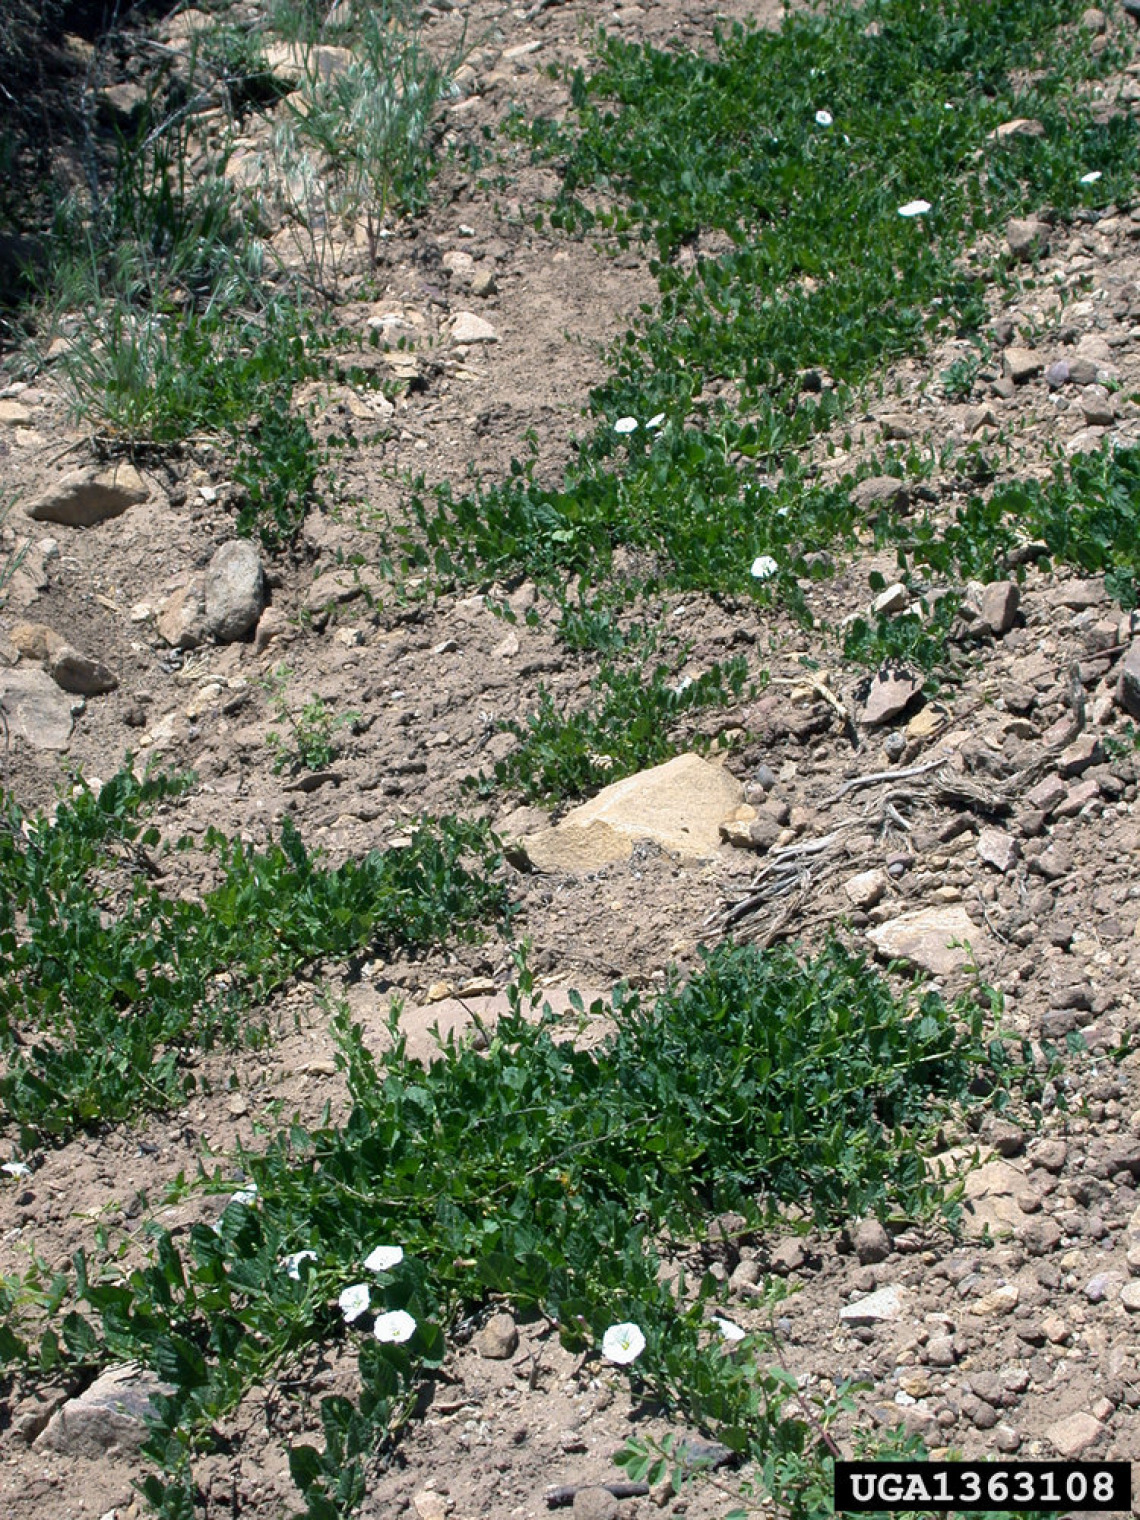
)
(679, 805)
(86, 497)
(933, 939)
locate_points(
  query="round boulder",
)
(235, 591)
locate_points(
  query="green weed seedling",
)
(958, 379)
(311, 743)
(561, 1180)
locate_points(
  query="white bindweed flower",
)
(914, 208)
(655, 422)
(764, 567)
(384, 1258)
(1091, 177)
(824, 119)
(16, 1168)
(292, 1263)
(246, 1195)
(730, 1331)
(625, 425)
(623, 1344)
(395, 1327)
(355, 1301)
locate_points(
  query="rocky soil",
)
(1002, 814)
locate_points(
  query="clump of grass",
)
(366, 128)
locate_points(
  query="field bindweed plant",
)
(309, 741)
(562, 1179)
(109, 985)
(634, 720)
(803, 224)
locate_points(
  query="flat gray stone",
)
(467, 328)
(880, 1307)
(880, 491)
(341, 584)
(37, 711)
(1022, 364)
(998, 849)
(83, 498)
(890, 693)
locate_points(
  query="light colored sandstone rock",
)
(182, 621)
(989, 1203)
(933, 939)
(882, 1306)
(866, 889)
(467, 328)
(679, 805)
(1074, 1434)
